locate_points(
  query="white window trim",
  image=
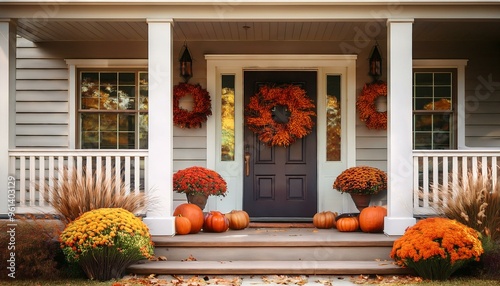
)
(73, 65)
(459, 65)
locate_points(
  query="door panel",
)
(282, 181)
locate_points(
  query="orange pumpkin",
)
(193, 213)
(238, 219)
(182, 225)
(215, 221)
(324, 219)
(371, 219)
(347, 224)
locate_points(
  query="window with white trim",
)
(434, 109)
(112, 109)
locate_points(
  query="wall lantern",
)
(375, 64)
(186, 64)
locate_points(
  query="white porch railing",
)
(441, 167)
(36, 167)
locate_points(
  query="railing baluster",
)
(127, 175)
(425, 181)
(41, 180)
(416, 185)
(494, 171)
(446, 174)
(98, 168)
(118, 169)
(435, 181)
(108, 167)
(32, 178)
(51, 176)
(22, 181)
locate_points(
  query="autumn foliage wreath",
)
(202, 107)
(259, 114)
(368, 112)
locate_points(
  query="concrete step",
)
(306, 251)
(268, 267)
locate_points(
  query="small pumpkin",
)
(324, 219)
(215, 221)
(182, 225)
(348, 224)
(371, 219)
(238, 219)
(193, 213)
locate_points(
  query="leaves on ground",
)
(177, 280)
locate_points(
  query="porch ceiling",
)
(424, 30)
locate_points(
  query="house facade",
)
(90, 84)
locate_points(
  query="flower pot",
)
(361, 201)
(197, 199)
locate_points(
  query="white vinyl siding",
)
(41, 98)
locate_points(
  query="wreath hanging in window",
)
(202, 106)
(280, 115)
(367, 109)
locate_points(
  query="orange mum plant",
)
(437, 247)
(361, 180)
(199, 180)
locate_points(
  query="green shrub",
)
(37, 251)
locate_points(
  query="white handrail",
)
(432, 169)
(33, 167)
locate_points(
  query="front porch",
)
(37, 167)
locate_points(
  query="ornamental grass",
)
(77, 192)
(199, 180)
(104, 242)
(475, 201)
(361, 180)
(437, 247)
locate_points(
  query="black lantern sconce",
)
(375, 64)
(186, 64)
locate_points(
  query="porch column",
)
(399, 127)
(7, 95)
(159, 217)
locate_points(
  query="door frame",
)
(232, 171)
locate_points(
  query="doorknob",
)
(247, 161)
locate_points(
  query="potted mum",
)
(105, 241)
(361, 182)
(198, 183)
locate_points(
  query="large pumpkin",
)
(371, 219)
(324, 219)
(238, 219)
(347, 224)
(193, 213)
(182, 225)
(215, 221)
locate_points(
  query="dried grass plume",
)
(76, 192)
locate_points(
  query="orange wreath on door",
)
(367, 109)
(261, 118)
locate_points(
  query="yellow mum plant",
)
(104, 242)
(437, 247)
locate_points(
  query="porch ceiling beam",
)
(227, 12)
